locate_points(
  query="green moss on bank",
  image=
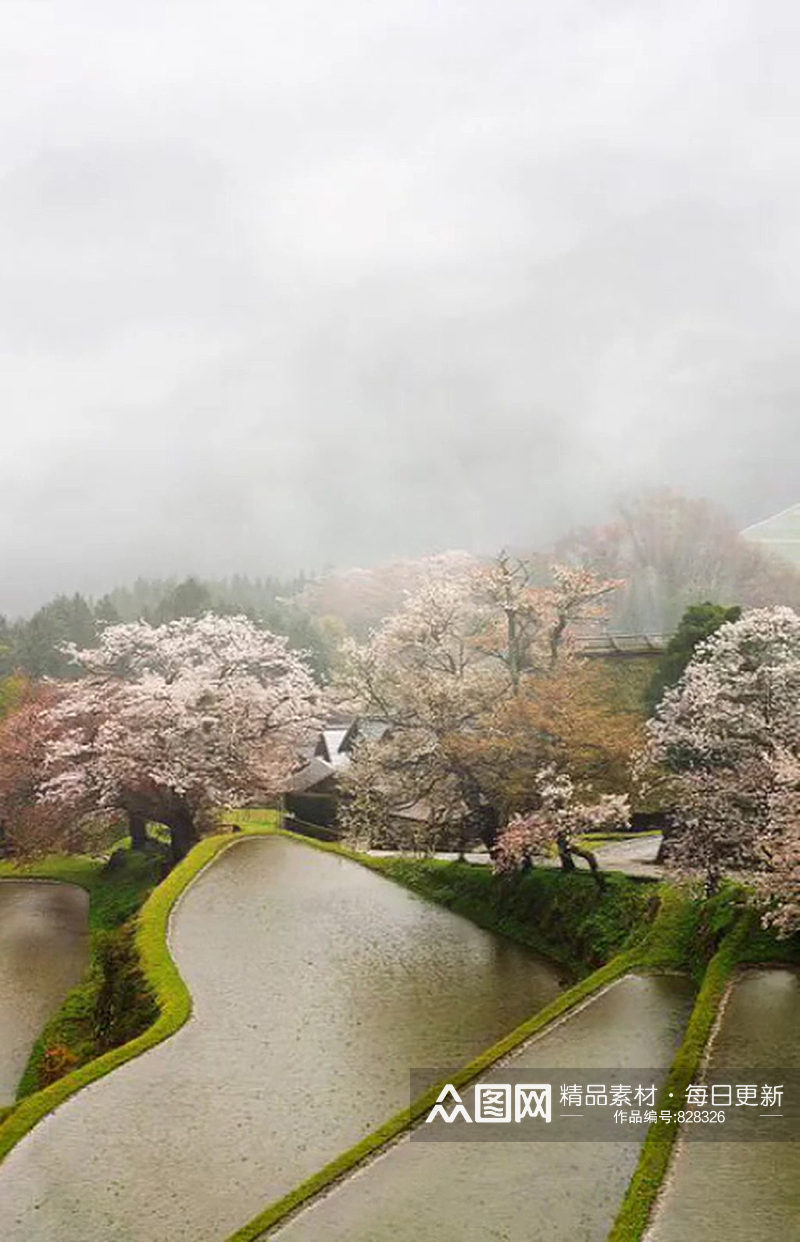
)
(654, 1159)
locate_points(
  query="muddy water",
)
(742, 1192)
(44, 950)
(317, 985)
(514, 1192)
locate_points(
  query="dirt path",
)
(636, 857)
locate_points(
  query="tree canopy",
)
(698, 622)
(468, 681)
(725, 741)
(171, 722)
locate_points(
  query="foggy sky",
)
(295, 283)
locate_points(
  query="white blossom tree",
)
(716, 736)
(170, 722)
(779, 883)
(530, 623)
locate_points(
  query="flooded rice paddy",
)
(317, 985)
(506, 1191)
(44, 950)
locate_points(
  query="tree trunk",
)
(597, 874)
(182, 834)
(567, 861)
(484, 822)
(667, 827)
(137, 827)
(514, 661)
(565, 851)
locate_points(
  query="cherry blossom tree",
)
(361, 598)
(531, 622)
(170, 722)
(424, 675)
(557, 822)
(673, 551)
(716, 736)
(441, 675)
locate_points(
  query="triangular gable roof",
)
(333, 745)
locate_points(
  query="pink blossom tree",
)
(170, 722)
(561, 818)
(29, 826)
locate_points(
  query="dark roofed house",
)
(316, 776)
(331, 753)
(314, 794)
